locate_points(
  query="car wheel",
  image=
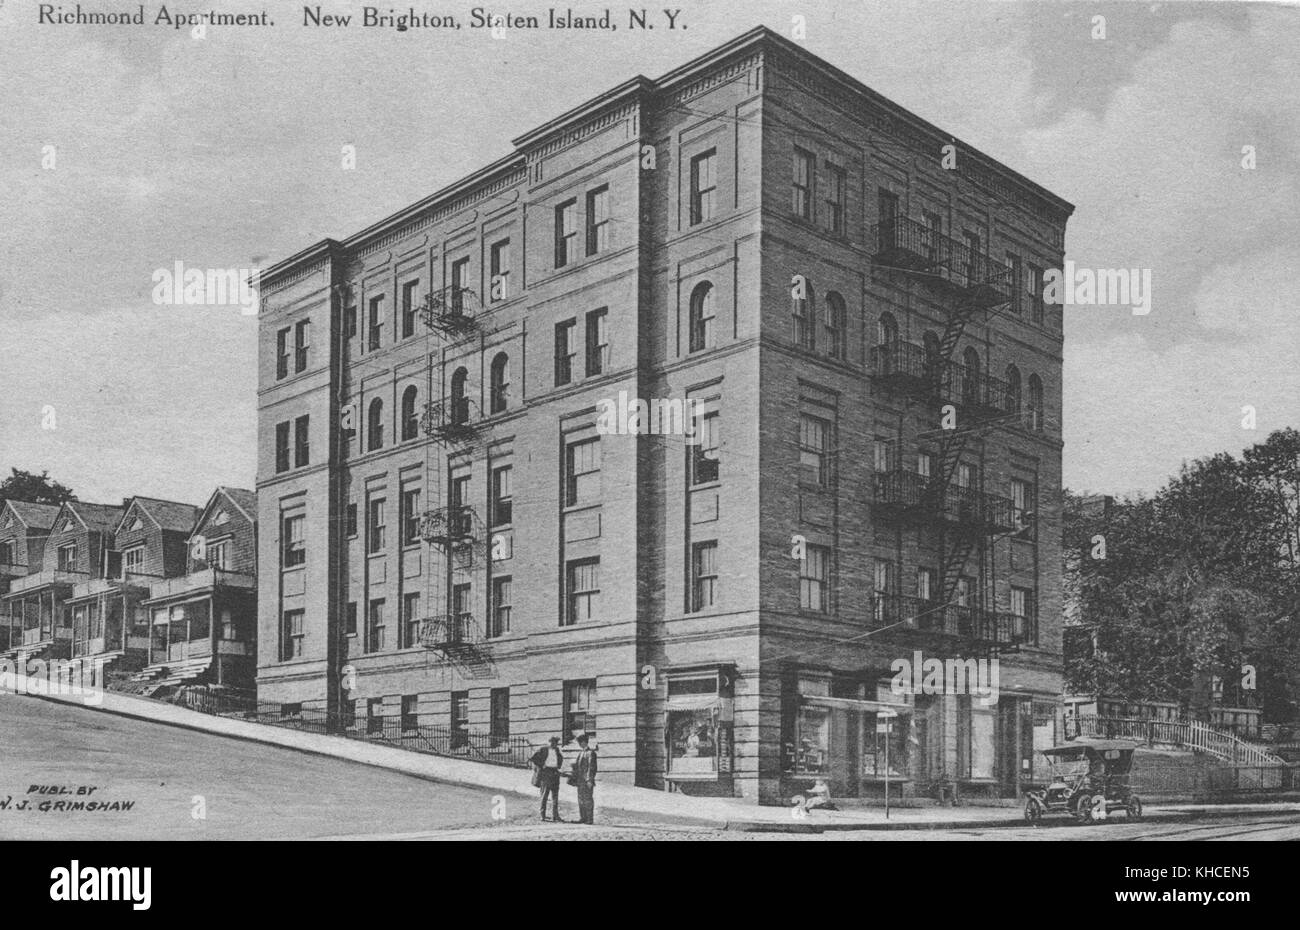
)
(1083, 808)
(1134, 807)
(1033, 811)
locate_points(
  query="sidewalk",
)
(717, 813)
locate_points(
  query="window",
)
(410, 419)
(835, 186)
(67, 558)
(805, 335)
(1036, 286)
(705, 452)
(133, 560)
(564, 352)
(704, 575)
(499, 614)
(970, 377)
(580, 708)
(301, 341)
(461, 600)
(410, 516)
(375, 626)
(803, 183)
(374, 715)
(1022, 506)
(282, 354)
(411, 619)
(1020, 601)
(882, 450)
(701, 322)
(498, 717)
(499, 269)
(229, 632)
(295, 545)
(499, 393)
(971, 256)
(350, 620)
(597, 342)
(582, 473)
(293, 634)
(375, 526)
(459, 720)
(814, 448)
(925, 464)
(282, 447)
(886, 329)
(351, 519)
(882, 587)
(814, 579)
(933, 234)
(1017, 283)
(582, 578)
(459, 399)
(349, 321)
(501, 510)
(597, 220)
(6, 553)
(704, 182)
(965, 476)
(410, 712)
(566, 232)
(1011, 402)
(887, 210)
(925, 584)
(458, 493)
(301, 451)
(375, 426)
(376, 322)
(836, 323)
(459, 275)
(1035, 408)
(409, 308)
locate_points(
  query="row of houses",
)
(150, 594)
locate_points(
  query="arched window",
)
(500, 392)
(886, 329)
(375, 426)
(970, 376)
(1012, 401)
(701, 317)
(803, 309)
(410, 420)
(1035, 410)
(836, 325)
(459, 402)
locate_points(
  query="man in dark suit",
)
(584, 779)
(547, 761)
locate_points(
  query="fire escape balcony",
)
(453, 525)
(907, 368)
(989, 628)
(451, 420)
(967, 273)
(451, 311)
(906, 494)
(981, 396)
(449, 632)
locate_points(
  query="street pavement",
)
(187, 784)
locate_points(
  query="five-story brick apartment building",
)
(452, 535)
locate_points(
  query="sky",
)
(224, 151)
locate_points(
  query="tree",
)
(33, 488)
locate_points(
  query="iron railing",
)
(987, 626)
(908, 245)
(458, 629)
(451, 311)
(908, 491)
(452, 420)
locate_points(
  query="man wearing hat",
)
(547, 761)
(584, 779)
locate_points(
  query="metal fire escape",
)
(966, 520)
(453, 531)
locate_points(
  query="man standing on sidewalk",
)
(547, 761)
(584, 779)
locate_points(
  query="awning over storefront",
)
(858, 704)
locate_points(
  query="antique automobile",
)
(1089, 780)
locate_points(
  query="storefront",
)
(699, 730)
